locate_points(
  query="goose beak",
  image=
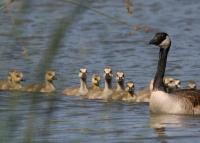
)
(152, 42)
(23, 79)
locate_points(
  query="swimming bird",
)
(94, 90)
(191, 84)
(172, 84)
(107, 92)
(82, 90)
(120, 76)
(95, 81)
(179, 102)
(15, 77)
(129, 95)
(47, 86)
(120, 88)
(13, 81)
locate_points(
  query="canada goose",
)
(47, 86)
(178, 102)
(79, 91)
(191, 84)
(120, 89)
(129, 95)
(13, 81)
(107, 92)
(95, 89)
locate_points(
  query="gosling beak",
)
(54, 78)
(178, 86)
(23, 79)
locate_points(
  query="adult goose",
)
(185, 101)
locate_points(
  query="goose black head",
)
(161, 39)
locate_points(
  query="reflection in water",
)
(160, 131)
(160, 121)
(163, 124)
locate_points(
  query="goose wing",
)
(191, 95)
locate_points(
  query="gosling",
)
(79, 91)
(130, 95)
(107, 92)
(120, 88)
(46, 87)
(191, 85)
(13, 81)
(95, 82)
(172, 85)
(95, 89)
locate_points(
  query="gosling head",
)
(15, 76)
(192, 84)
(120, 76)
(173, 83)
(161, 39)
(83, 73)
(96, 79)
(167, 80)
(130, 86)
(50, 75)
(108, 73)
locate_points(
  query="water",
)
(36, 35)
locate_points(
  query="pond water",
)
(66, 35)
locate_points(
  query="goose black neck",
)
(158, 79)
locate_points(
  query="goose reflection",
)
(161, 122)
(158, 121)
